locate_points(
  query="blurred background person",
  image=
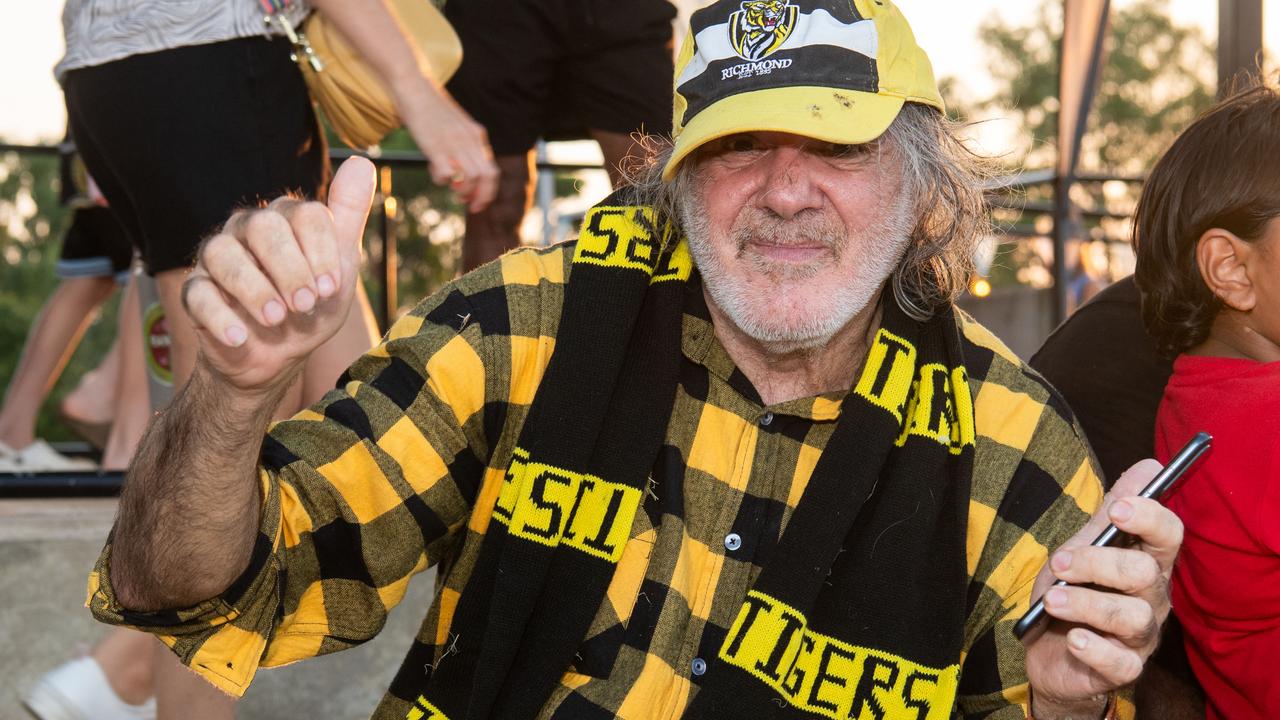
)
(557, 69)
(94, 260)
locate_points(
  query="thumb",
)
(350, 195)
(1131, 482)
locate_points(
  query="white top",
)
(99, 31)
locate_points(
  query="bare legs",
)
(120, 655)
(50, 342)
(497, 229)
(132, 409)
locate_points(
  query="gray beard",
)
(890, 235)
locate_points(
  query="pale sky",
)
(31, 42)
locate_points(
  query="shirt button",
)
(766, 419)
(733, 541)
(699, 667)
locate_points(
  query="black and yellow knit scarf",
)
(836, 623)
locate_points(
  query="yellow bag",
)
(359, 107)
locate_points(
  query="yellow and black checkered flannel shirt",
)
(398, 469)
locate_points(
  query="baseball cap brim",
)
(847, 117)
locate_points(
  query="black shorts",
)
(94, 246)
(180, 138)
(557, 68)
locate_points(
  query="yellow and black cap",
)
(833, 70)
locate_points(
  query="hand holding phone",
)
(1161, 484)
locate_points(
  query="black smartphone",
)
(1161, 484)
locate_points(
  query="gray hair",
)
(943, 179)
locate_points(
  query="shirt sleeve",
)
(1052, 490)
(360, 492)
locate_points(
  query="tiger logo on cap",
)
(760, 27)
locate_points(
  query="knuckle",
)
(1148, 628)
(263, 227)
(1137, 570)
(282, 202)
(311, 217)
(214, 250)
(1128, 668)
(1148, 570)
(192, 295)
(236, 222)
(1176, 528)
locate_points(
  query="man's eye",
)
(739, 144)
(837, 150)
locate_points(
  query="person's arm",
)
(456, 146)
(266, 291)
(198, 462)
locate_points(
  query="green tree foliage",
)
(1158, 77)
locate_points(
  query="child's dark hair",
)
(1222, 172)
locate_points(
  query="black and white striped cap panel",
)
(737, 49)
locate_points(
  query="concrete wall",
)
(1020, 316)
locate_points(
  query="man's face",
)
(793, 236)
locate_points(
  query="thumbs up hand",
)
(277, 282)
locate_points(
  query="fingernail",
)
(236, 336)
(1121, 511)
(304, 300)
(1056, 597)
(1078, 640)
(324, 284)
(1062, 560)
(273, 312)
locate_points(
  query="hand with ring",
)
(277, 282)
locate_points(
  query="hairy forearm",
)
(189, 509)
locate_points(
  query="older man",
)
(732, 454)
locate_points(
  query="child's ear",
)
(1223, 258)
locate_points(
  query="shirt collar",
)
(700, 345)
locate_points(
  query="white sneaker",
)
(78, 690)
(40, 456)
(8, 459)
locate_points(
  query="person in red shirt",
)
(1207, 235)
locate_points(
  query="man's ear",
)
(1223, 259)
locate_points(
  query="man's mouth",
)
(798, 253)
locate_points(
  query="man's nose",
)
(788, 187)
